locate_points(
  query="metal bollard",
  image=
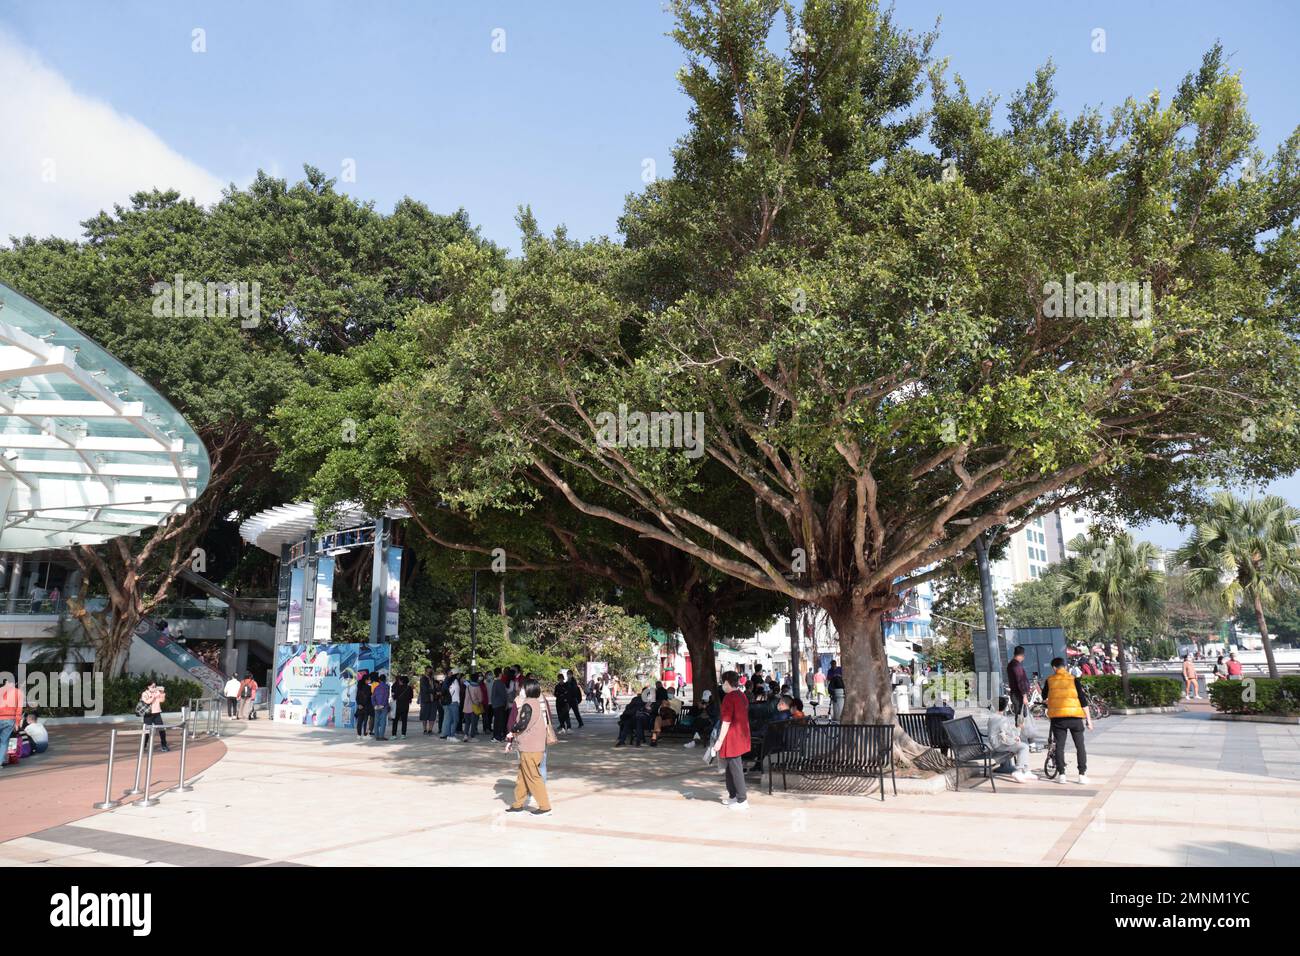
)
(108, 803)
(146, 800)
(183, 787)
(139, 759)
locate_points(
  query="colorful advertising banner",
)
(321, 627)
(293, 632)
(393, 597)
(316, 684)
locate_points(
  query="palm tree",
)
(1244, 551)
(1110, 585)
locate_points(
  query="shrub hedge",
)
(1257, 695)
(121, 693)
(1143, 691)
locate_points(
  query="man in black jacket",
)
(1018, 684)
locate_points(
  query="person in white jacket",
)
(231, 692)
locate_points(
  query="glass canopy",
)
(88, 450)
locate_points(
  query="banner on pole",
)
(293, 631)
(323, 620)
(393, 597)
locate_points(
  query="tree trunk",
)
(1263, 633)
(868, 697)
(695, 629)
(1123, 669)
(501, 608)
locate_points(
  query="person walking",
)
(1067, 708)
(11, 714)
(733, 740)
(379, 698)
(528, 737)
(606, 697)
(428, 691)
(575, 698)
(1234, 665)
(231, 693)
(248, 697)
(1190, 689)
(153, 698)
(364, 708)
(402, 694)
(451, 707)
(561, 704)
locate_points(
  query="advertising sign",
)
(293, 631)
(321, 628)
(315, 684)
(393, 597)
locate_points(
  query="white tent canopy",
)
(88, 450)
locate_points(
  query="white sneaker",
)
(1083, 779)
(1022, 776)
(738, 805)
(727, 801)
(1060, 778)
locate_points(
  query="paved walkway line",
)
(142, 848)
(1061, 848)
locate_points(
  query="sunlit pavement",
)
(1164, 789)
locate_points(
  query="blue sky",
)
(563, 119)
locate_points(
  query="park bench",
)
(830, 750)
(925, 729)
(686, 723)
(968, 749)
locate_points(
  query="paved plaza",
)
(1164, 790)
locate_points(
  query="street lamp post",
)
(473, 622)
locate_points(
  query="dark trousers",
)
(735, 779)
(487, 720)
(562, 715)
(364, 716)
(157, 721)
(499, 715)
(642, 722)
(399, 720)
(577, 712)
(1074, 727)
(232, 706)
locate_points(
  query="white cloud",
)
(64, 155)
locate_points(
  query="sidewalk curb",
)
(1258, 718)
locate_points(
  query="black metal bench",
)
(925, 729)
(685, 723)
(830, 750)
(968, 749)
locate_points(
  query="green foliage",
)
(595, 632)
(122, 693)
(1143, 691)
(1257, 695)
(957, 654)
(853, 290)
(1032, 604)
(1244, 552)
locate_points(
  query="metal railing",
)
(144, 760)
(206, 715)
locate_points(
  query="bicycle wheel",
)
(1103, 709)
(1049, 765)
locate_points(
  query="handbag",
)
(141, 709)
(551, 737)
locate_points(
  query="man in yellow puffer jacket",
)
(1067, 706)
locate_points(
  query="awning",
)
(88, 450)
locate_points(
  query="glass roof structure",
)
(88, 450)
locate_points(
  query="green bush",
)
(1257, 695)
(1143, 691)
(122, 693)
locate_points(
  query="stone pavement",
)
(1165, 789)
